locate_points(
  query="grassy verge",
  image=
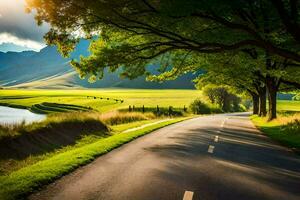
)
(25, 144)
(285, 129)
(24, 181)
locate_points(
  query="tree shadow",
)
(244, 165)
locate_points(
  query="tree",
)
(240, 72)
(139, 31)
(222, 96)
(135, 34)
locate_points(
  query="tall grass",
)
(285, 129)
(75, 118)
(115, 118)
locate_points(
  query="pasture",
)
(102, 100)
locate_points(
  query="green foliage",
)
(296, 97)
(199, 107)
(223, 97)
(134, 34)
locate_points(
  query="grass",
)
(290, 106)
(59, 132)
(286, 128)
(25, 180)
(105, 98)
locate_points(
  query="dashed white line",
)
(188, 195)
(223, 124)
(210, 149)
(216, 138)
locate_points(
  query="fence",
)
(170, 110)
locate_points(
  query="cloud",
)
(19, 27)
(30, 44)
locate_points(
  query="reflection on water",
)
(15, 115)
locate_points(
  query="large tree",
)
(134, 34)
(140, 30)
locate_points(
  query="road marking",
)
(188, 195)
(216, 138)
(223, 123)
(210, 149)
(144, 126)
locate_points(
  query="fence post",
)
(170, 110)
(129, 108)
(143, 108)
(157, 109)
(133, 108)
(184, 108)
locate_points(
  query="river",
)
(15, 115)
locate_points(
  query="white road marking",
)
(188, 195)
(216, 138)
(145, 125)
(223, 124)
(210, 149)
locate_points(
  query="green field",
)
(92, 98)
(285, 105)
(69, 140)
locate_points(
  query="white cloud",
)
(9, 38)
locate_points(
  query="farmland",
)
(102, 100)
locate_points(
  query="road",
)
(205, 158)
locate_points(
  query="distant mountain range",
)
(5, 47)
(48, 69)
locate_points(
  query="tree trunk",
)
(255, 99)
(262, 101)
(272, 97)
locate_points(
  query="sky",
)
(18, 30)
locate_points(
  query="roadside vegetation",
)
(51, 166)
(286, 128)
(23, 144)
(35, 154)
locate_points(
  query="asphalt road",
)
(187, 161)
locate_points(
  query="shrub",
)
(114, 118)
(199, 107)
(293, 127)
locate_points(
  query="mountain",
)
(48, 69)
(5, 47)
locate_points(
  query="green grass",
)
(26, 180)
(285, 105)
(136, 97)
(60, 132)
(285, 129)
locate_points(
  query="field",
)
(101, 100)
(65, 141)
(285, 105)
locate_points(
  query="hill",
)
(48, 69)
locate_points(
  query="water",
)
(15, 115)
